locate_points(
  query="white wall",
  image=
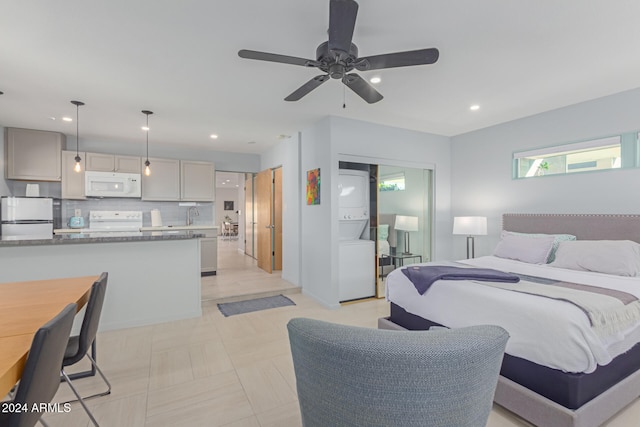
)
(482, 181)
(225, 195)
(318, 271)
(286, 155)
(403, 147)
(333, 139)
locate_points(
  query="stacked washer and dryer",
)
(356, 251)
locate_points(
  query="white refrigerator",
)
(24, 218)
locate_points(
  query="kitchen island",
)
(154, 276)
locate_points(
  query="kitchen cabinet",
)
(197, 181)
(33, 155)
(113, 163)
(181, 180)
(164, 181)
(72, 181)
(208, 253)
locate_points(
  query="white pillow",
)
(525, 248)
(618, 257)
(557, 239)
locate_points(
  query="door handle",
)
(269, 226)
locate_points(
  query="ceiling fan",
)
(337, 57)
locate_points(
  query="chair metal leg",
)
(94, 367)
(104, 378)
(91, 372)
(86, 409)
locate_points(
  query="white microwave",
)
(112, 184)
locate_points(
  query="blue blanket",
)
(423, 276)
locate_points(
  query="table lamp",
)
(470, 226)
(406, 224)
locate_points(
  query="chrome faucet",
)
(196, 213)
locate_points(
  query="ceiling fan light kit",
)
(338, 56)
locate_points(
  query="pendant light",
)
(78, 166)
(147, 163)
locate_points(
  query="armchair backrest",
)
(352, 376)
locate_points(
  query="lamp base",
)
(470, 247)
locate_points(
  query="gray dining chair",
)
(353, 376)
(41, 374)
(78, 345)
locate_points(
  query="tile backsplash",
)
(172, 213)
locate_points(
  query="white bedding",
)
(545, 331)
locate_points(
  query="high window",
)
(592, 155)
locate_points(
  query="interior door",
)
(264, 225)
(249, 236)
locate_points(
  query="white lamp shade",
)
(406, 223)
(470, 225)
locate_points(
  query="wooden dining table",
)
(24, 308)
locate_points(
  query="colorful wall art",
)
(313, 187)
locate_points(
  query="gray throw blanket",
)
(423, 276)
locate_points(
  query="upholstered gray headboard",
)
(583, 226)
(391, 220)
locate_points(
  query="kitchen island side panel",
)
(149, 281)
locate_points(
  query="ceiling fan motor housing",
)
(335, 62)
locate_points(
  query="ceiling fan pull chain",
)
(344, 97)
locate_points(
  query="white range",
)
(110, 223)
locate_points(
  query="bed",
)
(581, 382)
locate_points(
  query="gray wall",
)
(481, 167)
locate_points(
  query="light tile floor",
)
(216, 371)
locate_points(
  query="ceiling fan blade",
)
(362, 88)
(342, 21)
(398, 59)
(307, 87)
(274, 57)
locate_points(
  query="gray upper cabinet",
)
(33, 155)
(113, 163)
(197, 183)
(185, 180)
(72, 181)
(164, 181)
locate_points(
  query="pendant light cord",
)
(147, 136)
(77, 159)
(77, 130)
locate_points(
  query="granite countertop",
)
(75, 238)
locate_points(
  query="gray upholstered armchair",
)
(351, 376)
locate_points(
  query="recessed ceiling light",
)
(66, 119)
(144, 128)
(52, 118)
(375, 80)
(474, 107)
(213, 136)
